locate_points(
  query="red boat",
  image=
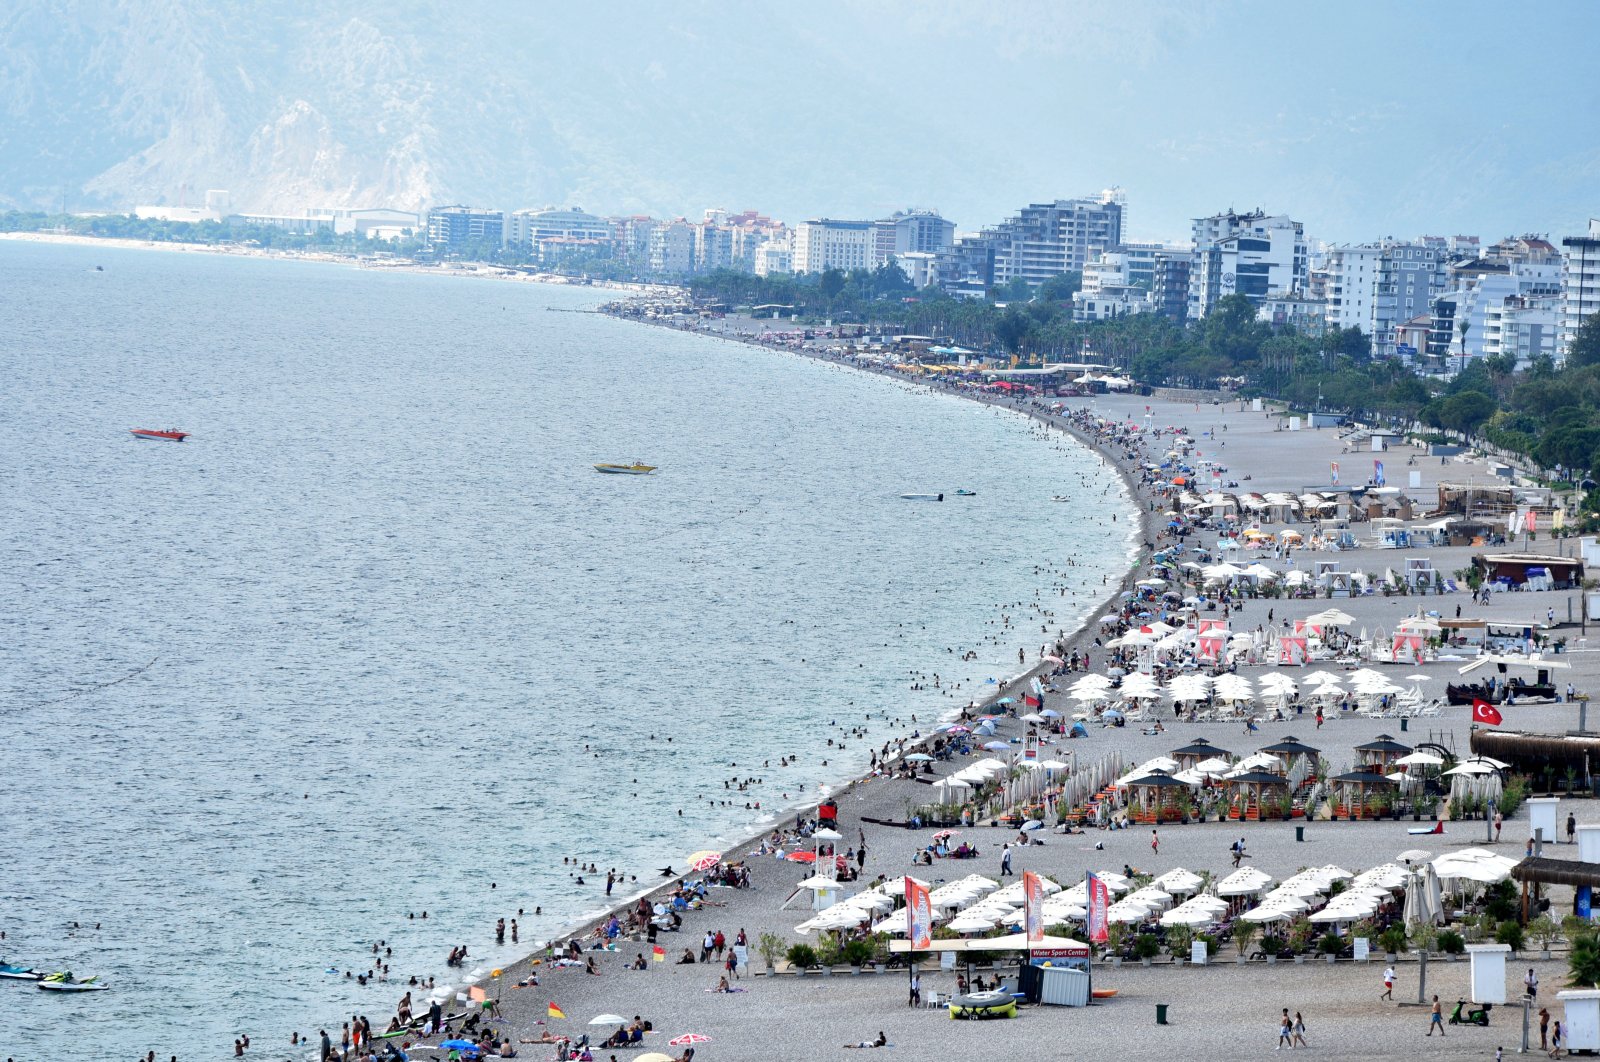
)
(165, 434)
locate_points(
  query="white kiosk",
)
(1589, 844)
(1543, 814)
(1488, 972)
(1583, 1018)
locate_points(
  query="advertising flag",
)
(1033, 906)
(1099, 901)
(1377, 473)
(1334, 479)
(919, 915)
(1486, 713)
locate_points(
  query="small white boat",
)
(65, 982)
(638, 468)
(923, 497)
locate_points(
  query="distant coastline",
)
(475, 270)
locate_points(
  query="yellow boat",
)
(638, 468)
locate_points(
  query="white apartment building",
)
(1523, 326)
(906, 231)
(1353, 286)
(1580, 282)
(1479, 300)
(672, 247)
(774, 256)
(1044, 240)
(920, 267)
(1247, 254)
(826, 243)
(526, 228)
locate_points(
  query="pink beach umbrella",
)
(689, 1040)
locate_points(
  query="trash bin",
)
(1404, 724)
(1299, 833)
(1161, 1013)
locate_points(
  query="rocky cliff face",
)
(286, 105)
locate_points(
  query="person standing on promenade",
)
(1155, 842)
(1572, 828)
(1530, 984)
(1388, 983)
(916, 989)
(1436, 1018)
(1005, 861)
(1544, 1028)
(1498, 822)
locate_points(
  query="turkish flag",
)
(1486, 713)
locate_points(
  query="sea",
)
(377, 640)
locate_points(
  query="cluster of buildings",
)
(1435, 302)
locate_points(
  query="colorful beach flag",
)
(1377, 473)
(1486, 713)
(555, 1011)
(1099, 901)
(1033, 906)
(1334, 479)
(919, 915)
(658, 953)
(1031, 701)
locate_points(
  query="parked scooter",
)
(1470, 1013)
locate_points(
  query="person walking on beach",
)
(1530, 984)
(1155, 842)
(1436, 1018)
(1388, 983)
(1299, 1031)
(706, 945)
(1544, 1028)
(327, 1046)
(1285, 1031)
(1572, 827)
(1005, 861)
(916, 990)
(1555, 1040)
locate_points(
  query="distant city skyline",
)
(1362, 119)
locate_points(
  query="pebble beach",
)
(1222, 1010)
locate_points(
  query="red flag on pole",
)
(1099, 901)
(1486, 713)
(1033, 906)
(1031, 701)
(919, 915)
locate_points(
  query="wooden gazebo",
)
(1381, 752)
(1153, 797)
(1196, 751)
(1249, 789)
(1357, 787)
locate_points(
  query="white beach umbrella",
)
(1243, 882)
(1265, 913)
(1213, 766)
(1420, 759)
(1178, 880)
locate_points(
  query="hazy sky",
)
(1363, 119)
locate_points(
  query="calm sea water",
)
(404, 645)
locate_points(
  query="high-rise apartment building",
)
(1580, 282)
(825, 243)
(1044, 240)
(906, 231)
(1246, 254)
(457, 226)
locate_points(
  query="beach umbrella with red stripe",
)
(705, 860)
(689, 1040)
